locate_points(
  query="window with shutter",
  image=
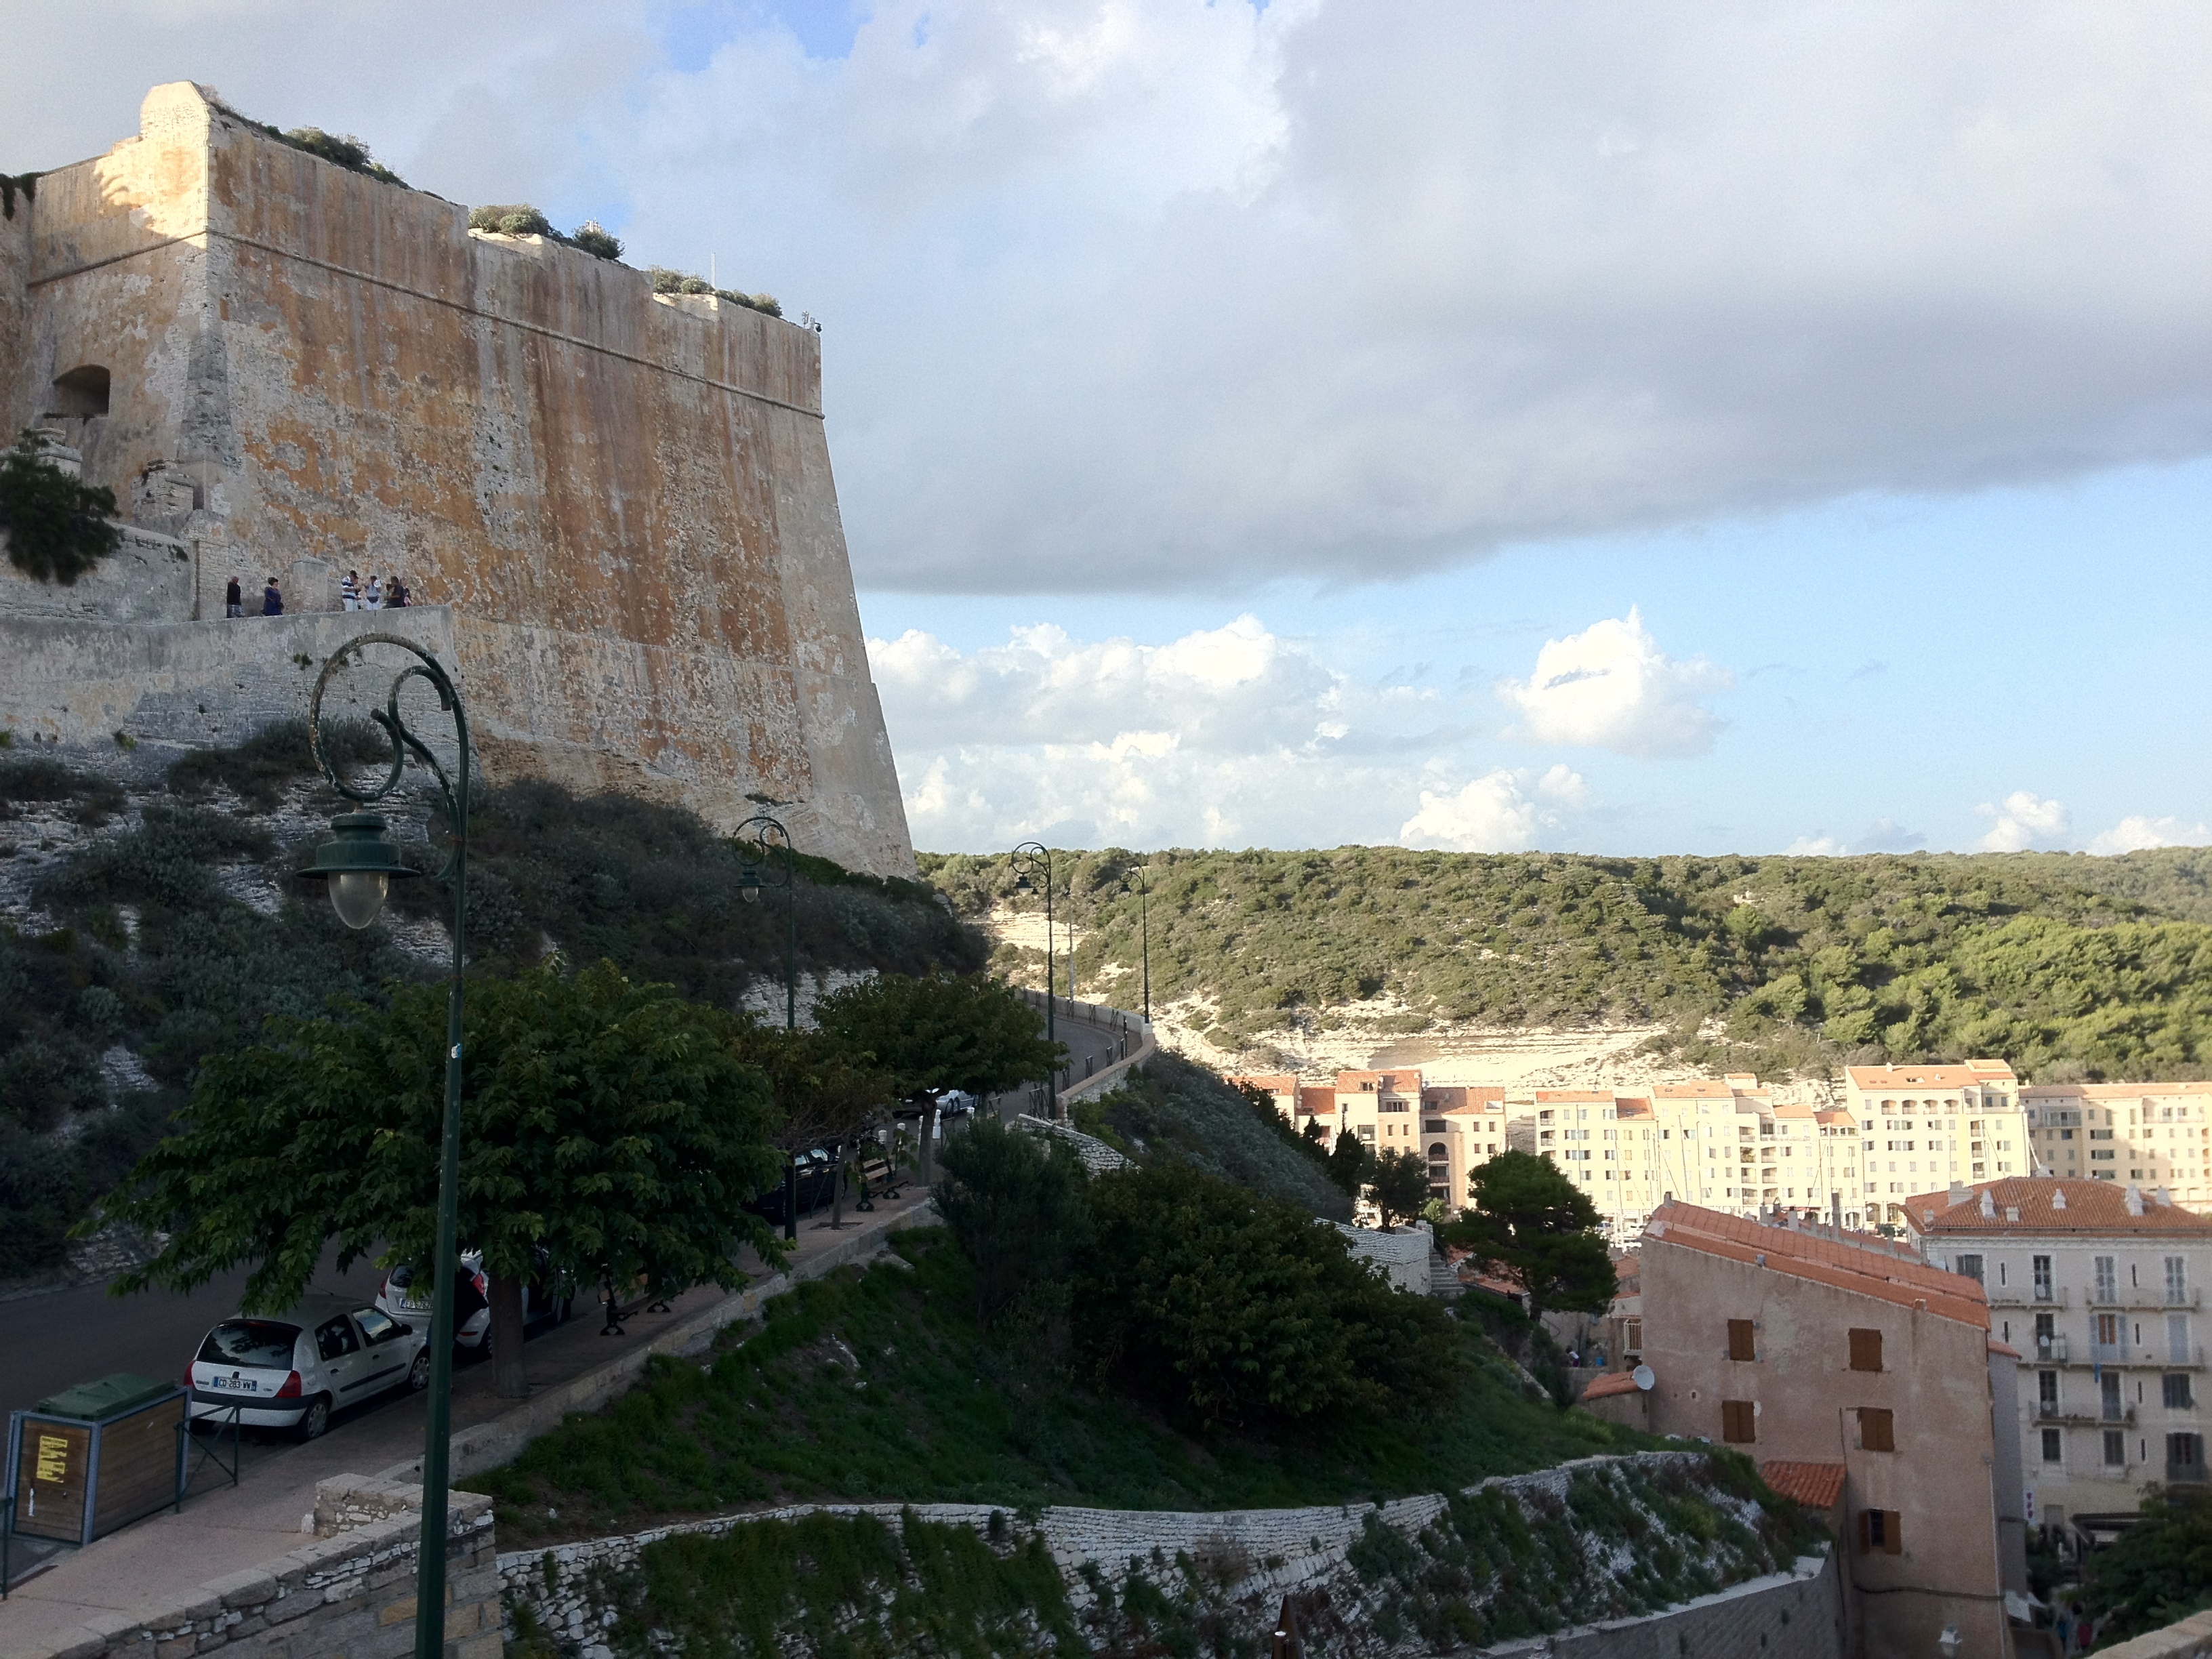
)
(1877, 1430)
(1866, 1351)
(1879, 1533)
(1743, 1341)
(1738, 1424)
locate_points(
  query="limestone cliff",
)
(620, 504)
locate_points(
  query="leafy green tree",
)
(2159, 1571)
(1526, 1220)
(937, 1031)
(822, 1092)
(59, 528)
(611, 1125)
(1231, 1309)
(1399, 1184)
(1015, 1206)
(1349, 1162)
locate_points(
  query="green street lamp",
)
(359, 863)
(1028, 859)
(760, 837)
(1136, 876)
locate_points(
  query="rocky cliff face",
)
(625, 501)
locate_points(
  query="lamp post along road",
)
(759, 837)
(1029, 857)
(360, 863)
(1136, 875)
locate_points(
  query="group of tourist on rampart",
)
(376, 594)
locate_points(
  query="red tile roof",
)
(2043, 1091)
(1816, 1486)
(2091, 1206)
(1453, 1098)
(1929, 1077)
(1611, 1383)
(2004, 1348)
(1869, 1269)
(1273, 1083)
(1576, 1097)
(1313, 1101)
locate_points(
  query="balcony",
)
(2185, 1474)
(2051, 1415)
(2108, 1353)
(2051, 1349)
(2146, 1298)
(2015, 1295)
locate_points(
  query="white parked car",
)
(546, 1295)
(292, 1371)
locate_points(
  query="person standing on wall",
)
(272, 602)
(234, 601)
(349, 591)
(372, 598)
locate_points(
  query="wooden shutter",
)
(1866, 1351)
(1893, 1532)
(1878, 1532)
(1877, 1430)
(1743, 1341)
(1738, 1424)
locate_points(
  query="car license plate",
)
(236, 1384)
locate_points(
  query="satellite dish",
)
(1643, 1378)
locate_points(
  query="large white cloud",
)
(1500, 812)
(1145, 292)
(2139, 834)
(2024, 820)
(1612, 686)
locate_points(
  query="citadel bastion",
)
(615, 508)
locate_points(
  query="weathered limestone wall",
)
(628, 504)
(147, 578)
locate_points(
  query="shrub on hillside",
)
(1015, 1204)
(1234, 1309)
(57, 528)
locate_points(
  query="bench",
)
(877, 1176)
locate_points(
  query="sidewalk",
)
(571, 1369)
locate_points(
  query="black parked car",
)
(815, 1183)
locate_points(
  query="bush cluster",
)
(57, 528)
(2067, 965)
(342, 150)
(666, 281)
(520, 219)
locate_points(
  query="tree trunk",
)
(509, 1375)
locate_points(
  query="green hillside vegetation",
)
(2070, 967)
(878, 1385)
(155, 956)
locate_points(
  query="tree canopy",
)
(1525, 1219)
(1398, 1182)
(611, 1125)
(1015, 1205)
(938, 1031)
(2158, 1571)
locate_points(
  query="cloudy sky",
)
(1620, 427)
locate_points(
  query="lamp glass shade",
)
(749, 884)
(358, 896)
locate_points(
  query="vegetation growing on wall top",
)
(2068, 966)
(520, 219)
(666, 281)
(340, 150)
(9, 184)
(57, 528)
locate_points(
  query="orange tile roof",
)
(1869, 1269)
(2113, 1090)
(1929, 1077)
(1393, 1082)
(1793, 1111)
(2004, 1348)
(1816, 1486)
(1273, 1083)
(1706, 1091)
(1576, 1096)
(1628, 1106)
(2092, 1206)
(1314, 1101)
(1611, 1383)
(1450, 1097)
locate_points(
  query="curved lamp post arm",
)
(766, 835)
(359, 845)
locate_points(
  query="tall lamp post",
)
(759, 839)
(359, 863)
(1028, 858)
(1136, 876)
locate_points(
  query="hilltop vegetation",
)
(181, 930)
(2068, 966)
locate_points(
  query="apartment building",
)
(1925, 1126)
(1868, 1370)
(2100, 1287)
(1461, 1128)
(2155, 1134)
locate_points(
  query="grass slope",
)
(877, 1385)
(2067, 965)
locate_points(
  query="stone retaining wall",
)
(2189, 1639)
(349, 1592)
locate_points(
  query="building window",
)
(2177, 1392)
(2046, 1393)
(1739, 1422)
(2054, 1450)
(1969, 1266)
(1879, 1533)
(2184, 1457)
(1866, 1351)
(2176, 1279)
(2177, 1339)
(1632, 1334)
(1877, 1430)
(2115, 1449)
(1743, 1342)
(2108, 1282)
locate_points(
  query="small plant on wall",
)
(58, 526)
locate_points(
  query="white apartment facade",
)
(1922, 1127)
(2100, 1288)
(2150, 1135)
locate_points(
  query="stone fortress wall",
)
(615, 509)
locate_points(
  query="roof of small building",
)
(1704, 1089)
(1393, 1082)
(2114, 1091)
(1316, 1098)
(1816, 1486)
(1611, 1383)
(1871, 1268)
(1273, 1083)
(1631, 1106)
(2004, 1348)
(1576, 1097)
(2050, 1204)
(1471, 1097)
(1929, 1077)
